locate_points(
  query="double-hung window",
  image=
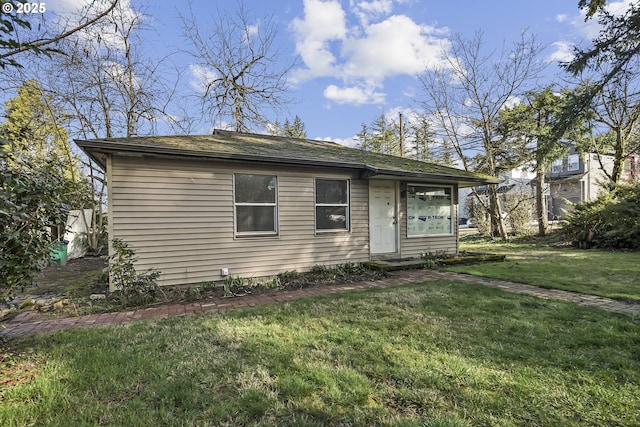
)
(573, 162)
(255, 204)
(332, 204)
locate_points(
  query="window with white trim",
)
(332, 204)
(429, 210)
(255, 204)
(573, 162)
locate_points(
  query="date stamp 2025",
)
(24, 8)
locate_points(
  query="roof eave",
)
(461, 181)
(93, 147)
(87, 147)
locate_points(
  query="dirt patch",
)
(59, 286)
(76, 279)
(73, 266)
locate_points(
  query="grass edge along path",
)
(19, 328)
(549, 262)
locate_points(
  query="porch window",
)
(332, 204)
(255, 204)
(429, 210)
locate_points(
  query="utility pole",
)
(401, 136)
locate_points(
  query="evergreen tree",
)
(386, 136)
(35, 134)
(364, 138)
(295, 130)
(617, 47)
(39, 180)
(534, 124)
(35, 131)
(424, 148)
(289, 130)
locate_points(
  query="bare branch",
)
(37, 45)
(243, 77)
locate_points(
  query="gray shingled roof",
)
(280, 150)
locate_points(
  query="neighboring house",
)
(199, 208)
(516, 181)
(578, 178)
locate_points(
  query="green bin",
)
(58, 254)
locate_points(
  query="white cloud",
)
(409, 115)
(511, 102)
(563, 52)
(583, 30)
(362, 55)
(200, 77)
(253, 29)
(394, 46)
(348, 142)
(324, 21)
(107, 31)
(366, 10)
(354, 95)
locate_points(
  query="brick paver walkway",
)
(24, 324)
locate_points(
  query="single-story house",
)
(199, 208)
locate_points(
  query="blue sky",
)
(358, 59)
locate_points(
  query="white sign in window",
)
(429, 210)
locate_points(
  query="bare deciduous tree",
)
(617, 107)
(13, 43)
(110, 89)
(243, 76)
(465, 97)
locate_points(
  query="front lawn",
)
(437, 353)
(595, 272)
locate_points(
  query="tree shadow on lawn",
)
(417, 352)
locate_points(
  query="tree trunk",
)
(616, 173)
(618, 159)
(541, 206)
(498, 229)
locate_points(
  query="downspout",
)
(110, 236)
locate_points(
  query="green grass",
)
(595, 272)
(436, 354)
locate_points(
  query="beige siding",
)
(178, 216)
(411, 247)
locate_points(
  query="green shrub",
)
(135, 289)
(612, 220)
(232, 285)
(30, 203)
(323, 272)
(479, 216)
(519, 208)
(289, 275)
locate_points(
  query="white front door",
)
(382, 217)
